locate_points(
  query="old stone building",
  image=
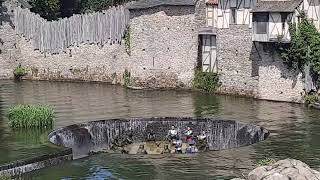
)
(225, 33)
(164, 43)
(168, 40)
(241, 35)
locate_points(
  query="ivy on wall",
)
(126, 38)
(304, 48)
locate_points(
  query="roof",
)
(212, 2)
(207, 30)
(144, 4)
(276, 6)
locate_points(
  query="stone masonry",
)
(254, 69)
(164, 46)
(164, 52)
(83, 63)
(235, 61)
(9, 51)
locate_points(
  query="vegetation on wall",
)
(304, 47)
(304, 50)
(127, 78)
(206, 81)
(126, 39)
(27, 116)
(19, 72)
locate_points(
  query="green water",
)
(295, 130)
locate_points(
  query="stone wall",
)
(236, 64)
(9, 51)
(254, 69)
(156, 61)
(200, 13)
(164, 52)
(83, 63)
(276, 81)
(164, 46)
(87, 62)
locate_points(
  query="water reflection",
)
(294, 129)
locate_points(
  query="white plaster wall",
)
(275, 26)
(312, 9)
(222, 12)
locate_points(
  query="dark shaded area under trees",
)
(55, 9)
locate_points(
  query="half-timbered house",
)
(271, 19)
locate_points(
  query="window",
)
(233, 16)
(261, 22)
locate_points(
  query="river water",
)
(295, 130)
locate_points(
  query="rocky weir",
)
(103, 134)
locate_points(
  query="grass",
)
(206, 81)
(266, 162)
(28, 116)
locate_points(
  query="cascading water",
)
(97, 135)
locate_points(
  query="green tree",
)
(99, 5)
(48, 9)
(304, 47)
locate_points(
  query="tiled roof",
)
(212, 2)
(276, 6)
(144, 4)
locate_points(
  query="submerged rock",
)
(288, 169)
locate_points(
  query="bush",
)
(26, 116)
(19, 72)
(206, 81)
(311, 98)
(265, 162)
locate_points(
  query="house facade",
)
(235, 38)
